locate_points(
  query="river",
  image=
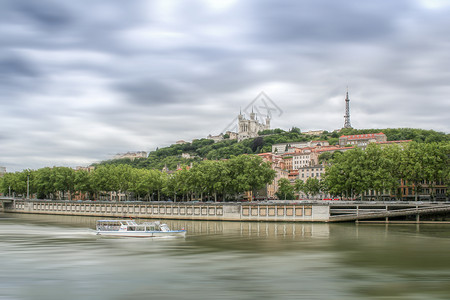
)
(60, 257)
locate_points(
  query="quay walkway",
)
(276, 211)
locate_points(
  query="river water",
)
(60, 257)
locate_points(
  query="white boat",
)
(130, 228)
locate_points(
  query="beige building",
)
(315, 171)
(2, 171)
(304, 159)
(362, 140)
(277, 163)
(250, 128)
(313, 132)
(131, 155)
(229, 135)
(290, 147)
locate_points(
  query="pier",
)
(282, 211)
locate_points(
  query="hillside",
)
(204, 148)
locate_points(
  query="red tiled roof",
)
(361, 136)
(392, 142)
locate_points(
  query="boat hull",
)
(143, 234)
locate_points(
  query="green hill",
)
(206, 149)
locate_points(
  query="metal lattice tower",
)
(347, 112)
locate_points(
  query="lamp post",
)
(28, 186)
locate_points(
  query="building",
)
(315, 171)
(277, 164)
(362, 140)
(313, 132)
(306, 157)
(229, 135)
(249, 128)
(2, 171)
(131, 155)
(88, 169)
(283, 148)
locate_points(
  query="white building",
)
(131, 155)
(289, 147)
(306, 172)
(2, 171)
(250, 128)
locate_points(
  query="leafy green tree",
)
(16, 183)
(45, 183)
(299, 186)
(83, 184)
(63, 180)
(285, 189)
(347, 176)
(248, 173)
(325, 157)
(312, 186)
(377, 165)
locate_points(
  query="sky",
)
(81, 81)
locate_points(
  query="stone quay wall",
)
(183, 211)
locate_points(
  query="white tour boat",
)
(130, 228)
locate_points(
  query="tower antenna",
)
(347, 112)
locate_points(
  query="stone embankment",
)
(281, 211)
(287, 212)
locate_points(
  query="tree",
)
(299, 185)
(45, 186)
(312, 186)
(377, 165)
(63, 180)
(82, 183)
(347, 176)
(325, 157)
(248, 173)
(285, 189)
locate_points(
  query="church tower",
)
(347, 112)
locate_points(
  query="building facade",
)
(278, 165)
(249, 128)
(315, 171)
(362, 140)
(2, 171)
(283, 148)
(131, 155)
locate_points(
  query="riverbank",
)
(288, 211)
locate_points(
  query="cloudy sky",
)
(83, 80)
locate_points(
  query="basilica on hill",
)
(247, 128)
(250, 128)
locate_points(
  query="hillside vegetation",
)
(170, 157)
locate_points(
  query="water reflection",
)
(55, 257)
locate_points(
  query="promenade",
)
(281, 211)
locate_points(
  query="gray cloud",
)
(82, 80)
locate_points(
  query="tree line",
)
(205, 148)
(383, 168)
(216, 180)
(379, 168)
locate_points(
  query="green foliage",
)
(214, 178)
(170, 156)
(285, 190)
(312, 186)
(381, 168)
(396, 134)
